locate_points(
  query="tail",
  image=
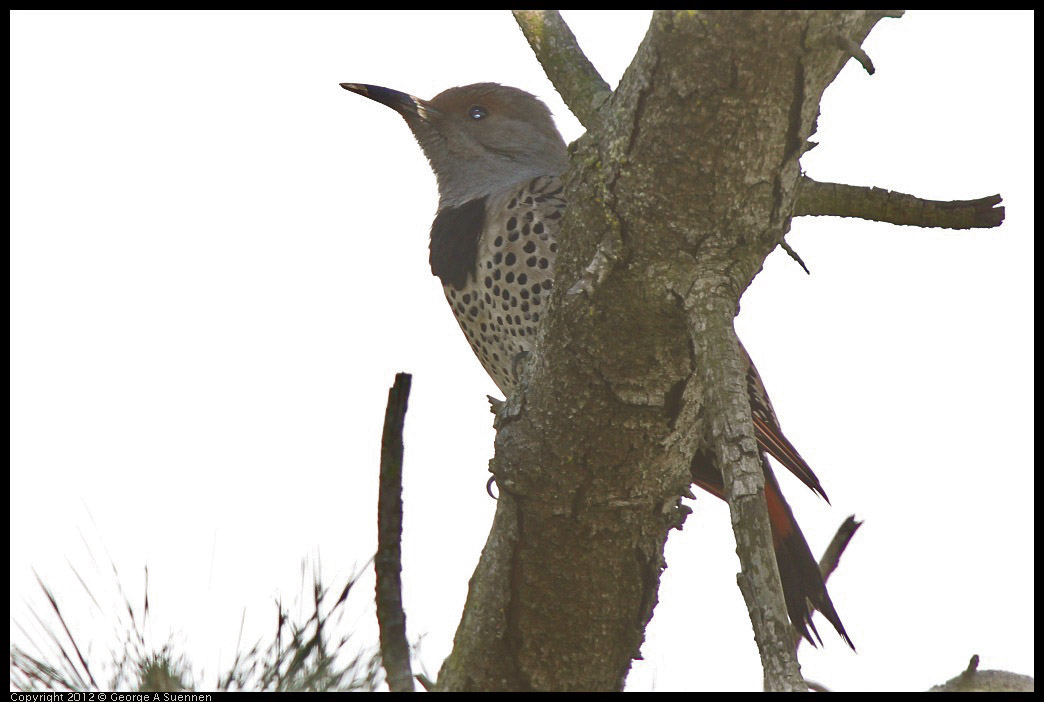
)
(803, 588)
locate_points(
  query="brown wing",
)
(768, 434)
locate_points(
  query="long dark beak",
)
(402, 103)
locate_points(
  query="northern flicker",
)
(497, 157)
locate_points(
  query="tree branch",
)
(794, 255)
(856, 52)
(818, 199)
(832, 556)
(395, 651)
(573, 75)
(732, 442)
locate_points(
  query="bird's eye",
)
(477, 112)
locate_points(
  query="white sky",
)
(219, 261)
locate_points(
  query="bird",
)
(498, 159)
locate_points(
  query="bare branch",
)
(834, 199)
(426, 682)
(573, 75)
(856, 52)
(832, 556)
(395, 651)
(732, 441)
(794, 255)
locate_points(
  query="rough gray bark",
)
(685, 184)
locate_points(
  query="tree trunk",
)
(685, 181)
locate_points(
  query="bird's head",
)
(479, 138)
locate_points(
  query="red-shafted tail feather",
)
(803, 586)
